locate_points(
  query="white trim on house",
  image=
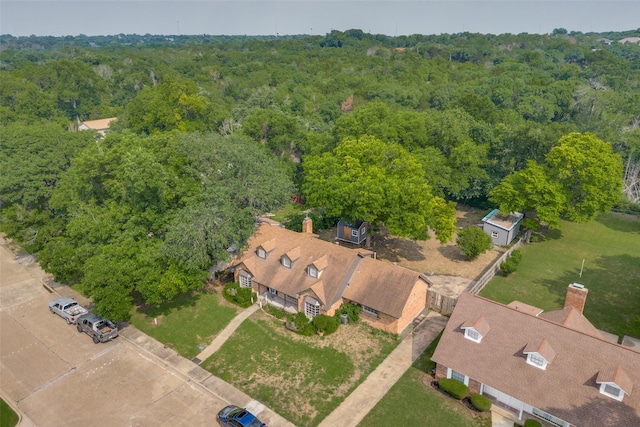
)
(245, 279)
(472, 334)
(285, 261)
(536, 359)
(455, 375)
(612, 390)
(261, 253)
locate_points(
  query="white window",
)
(472, 334)
(611, 390)
(313, 272)
(546, 416)
(272, 291)
(245, 281)
(536, 360)
(370, 311)
(262, 253)
(494, 234)
(455, 375)
(286, 261)
(311, 309)
(354, 233)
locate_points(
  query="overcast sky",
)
(268, 17)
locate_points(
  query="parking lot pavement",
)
(56, 376)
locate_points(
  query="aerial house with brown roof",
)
(553, 366)
(301, 273)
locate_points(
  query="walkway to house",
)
(358, 404)
(225, 334)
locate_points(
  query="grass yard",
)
(412, 403)
(610, 247)
(8, 417)
(302, 378)
(186, 322)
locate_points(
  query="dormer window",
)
(614, 382)
(611, 391)
(264, 249)
(285, 261)
(476, 329)
(536, 360)
(539, 354)
(261, 253)
(472, 334)
(313, 272)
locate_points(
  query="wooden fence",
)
(444, 304)
(441, 303)
(477, 285)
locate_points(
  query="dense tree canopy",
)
(389, 129)
(581, 177)
(371, 180)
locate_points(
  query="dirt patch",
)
(429, 256)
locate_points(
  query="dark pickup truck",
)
(101, 330)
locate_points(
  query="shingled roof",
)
(351, 273)
(568, 388)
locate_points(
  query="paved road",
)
(56, 376)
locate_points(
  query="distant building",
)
(634, 40)
(352, 232)
(101, 126)
(502, 228)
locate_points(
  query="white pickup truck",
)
(68, 309)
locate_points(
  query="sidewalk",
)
(358, 404)
(225, 334)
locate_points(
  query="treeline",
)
(213, 131)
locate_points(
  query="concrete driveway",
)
(56, 376)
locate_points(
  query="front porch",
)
(281, 303)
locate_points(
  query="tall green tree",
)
(368, 179)
(581, 177)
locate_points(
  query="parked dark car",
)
(234, 416)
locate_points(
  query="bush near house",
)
(532, 423)
(326, 324)
(235, 294)
(511, 264)
(453, 387)
(473, 241)
(300, 323)
(351, 310)
(480, 402)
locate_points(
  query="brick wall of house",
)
(474, 386)
(416, 303)
(441, 371)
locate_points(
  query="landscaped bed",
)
(610, 248)
(302, 378)
(188, 322)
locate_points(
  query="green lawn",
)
(303, 378)
(186, 322)
(286, 210)
(610, 247)
(8, 418)
(411, 403)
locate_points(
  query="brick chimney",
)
(576, 296)
(307, 225)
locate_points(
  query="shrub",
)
(480, 402)
(351, 310)
(237, 295)
(473, 241)
(532, 423)
(276, 312)
(326, 324)
(530, 224)
(299, 323)
(453, 387)
(511, 264)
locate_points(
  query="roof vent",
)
(577, 285)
